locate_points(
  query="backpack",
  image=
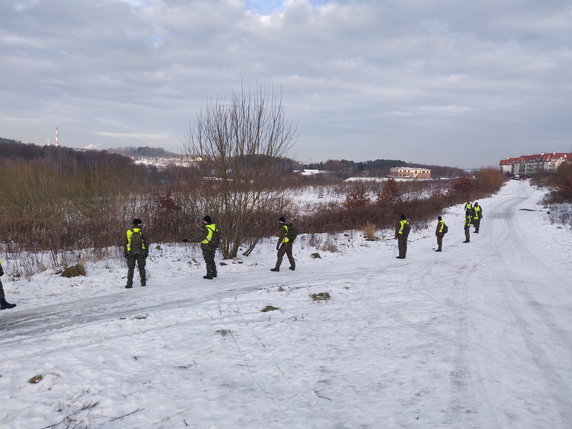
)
(137, 242)
(406, 229)
(215, 239)
(292, 232)
(445, 228)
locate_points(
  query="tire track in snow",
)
(529, 314)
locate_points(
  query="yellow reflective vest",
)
(402, 224)
(211, 228)
(129, 234)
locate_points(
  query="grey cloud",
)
(412, 79)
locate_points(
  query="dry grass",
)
(320, 297)
(73, 271)
(369, 231)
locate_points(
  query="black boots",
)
(278, 269)
(4, 305)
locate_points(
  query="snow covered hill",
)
(478, 336)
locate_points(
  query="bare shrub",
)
(465, 187)
(357, 197)
(390, 193)
(239, 144)
(489, 180)
(561, 183)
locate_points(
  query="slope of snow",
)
(478, 336)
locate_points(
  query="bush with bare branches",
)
(238, 146)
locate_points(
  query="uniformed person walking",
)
(401, 233)
(284, 245)
(136, 250)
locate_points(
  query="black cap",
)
(281, 219)
(402, 216)
(137, 222)
(439, 217)
(207, 219)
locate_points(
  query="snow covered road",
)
(478, 336)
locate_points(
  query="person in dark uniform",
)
(209, 244)
(284, 245)
(3, 303)
(440, 232)
(477, 217)
(469, 207)
(135, 250)
(402, 229)
(468, 224)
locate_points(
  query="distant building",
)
(552, 161)
(528, 165)
(506, 166)
(410, 172)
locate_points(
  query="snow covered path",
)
(478, 336)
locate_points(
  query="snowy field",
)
(478, 336)
(311, 199)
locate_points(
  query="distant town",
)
(529, 165)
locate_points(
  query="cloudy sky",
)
(432, 81)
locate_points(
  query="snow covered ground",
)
(478, 336)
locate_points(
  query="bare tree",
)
(239, 145)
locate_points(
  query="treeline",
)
(379, 168)
(62, 200)
(144, 152)
(63, 157)
(77, 204)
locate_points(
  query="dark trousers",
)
(209, 255)
(468, 233)
(440, 241)
(1, 291)
(402, 245)
(285, 249)
(131, 259)
(477, 224)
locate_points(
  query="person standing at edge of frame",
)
(401, 233)
(209, 244)
(440, 232)
(286, 237)
(136, 250)
(477, 217)
(3, 303)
